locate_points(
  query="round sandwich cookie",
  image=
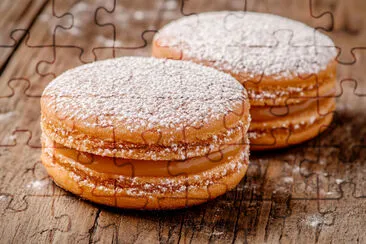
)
(145, 133)
(287, 67)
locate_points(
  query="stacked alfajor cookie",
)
(287, 67)
(145, 133)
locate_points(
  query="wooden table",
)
(314, 192)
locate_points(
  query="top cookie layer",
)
(145, 92)
(148, 101)
(253, 43)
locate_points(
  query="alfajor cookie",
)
(145, 133)
(287, 67)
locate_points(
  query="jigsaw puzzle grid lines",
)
(300, 193)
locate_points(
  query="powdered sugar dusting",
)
(144, 92)
(254, 43)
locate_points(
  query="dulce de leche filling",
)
(133, 168)
(265, 113)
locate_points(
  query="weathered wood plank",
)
(15, 20)
(314, 192)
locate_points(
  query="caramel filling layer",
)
(134, 168)
(107, 147)
(266, 113)
(263, 113)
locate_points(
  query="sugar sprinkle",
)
(254, 43)
(144, 92)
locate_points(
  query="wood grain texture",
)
(311, 193)
(15, 21)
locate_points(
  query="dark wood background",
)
(311, 193)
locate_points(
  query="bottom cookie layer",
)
(285, 137)
(145, 192)
(278, 127)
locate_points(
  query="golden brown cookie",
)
(146, 133)
(281, 63)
